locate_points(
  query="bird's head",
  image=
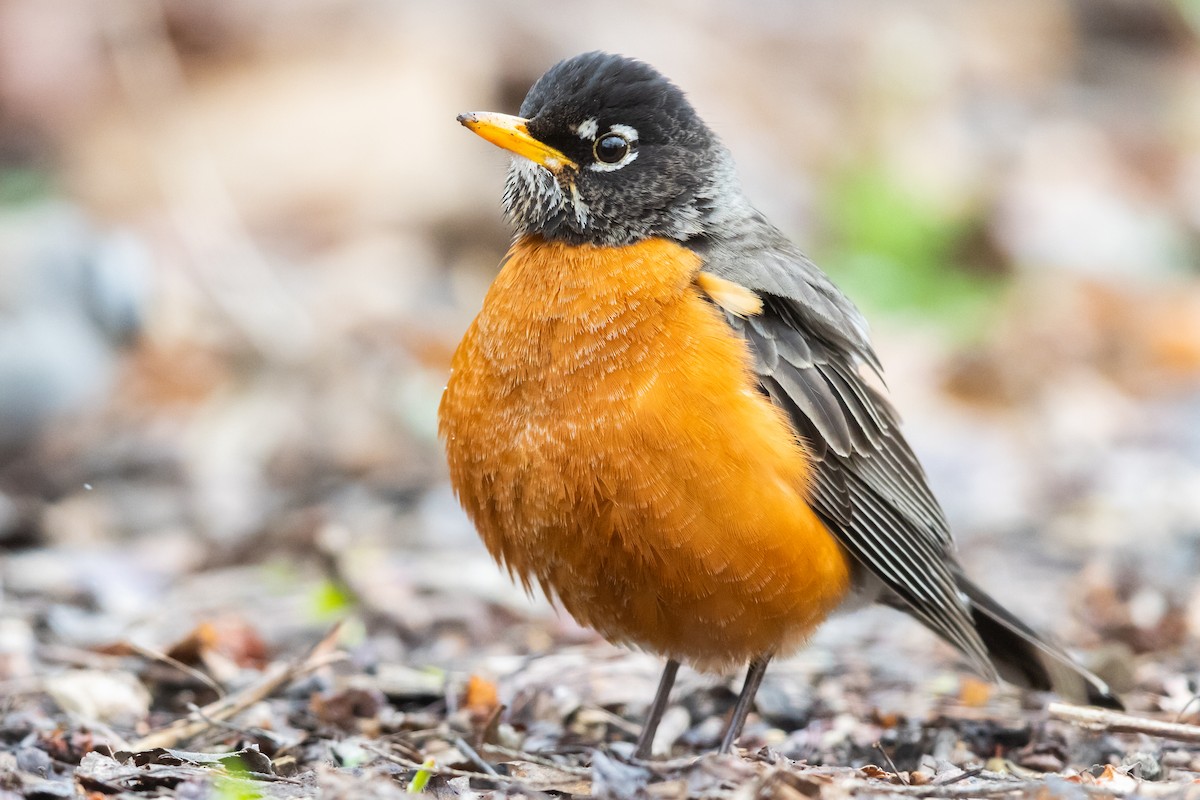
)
(610, 152)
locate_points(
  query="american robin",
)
(671, 420)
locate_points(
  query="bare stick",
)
(473, 756)
(532, 758)
(154, 655)
(950, 792)
(276, 677)
(528, 787)
(1113, 722)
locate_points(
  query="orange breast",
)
(605, 434)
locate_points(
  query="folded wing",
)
(814, 360)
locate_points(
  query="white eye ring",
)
(624, 139)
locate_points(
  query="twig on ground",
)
(276, 739)
(1186, 706)
(947, 792)
(192, 672)
(509, 752)
(487, 731)
(1114, 722)
(615, 720)
(1024, 788)
(962, 776)
(892, 764)
(272, 680)
(473, 756)
(528, 787)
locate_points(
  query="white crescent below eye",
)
(600, 166)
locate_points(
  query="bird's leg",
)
(654, 715)
(754, 676)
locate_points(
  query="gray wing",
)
(815, 361)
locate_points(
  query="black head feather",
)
(613, 90)
(674, 172)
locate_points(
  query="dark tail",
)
(1025, 658)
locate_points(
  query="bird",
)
(671, 421)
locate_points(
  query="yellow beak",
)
(511, 133)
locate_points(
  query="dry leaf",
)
(481, 696)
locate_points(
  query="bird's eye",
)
(611, 148)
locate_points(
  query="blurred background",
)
(239, 241)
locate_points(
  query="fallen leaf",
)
(974, 693)
(548, 779)
(109, 696)
(481, 696)
(878, 773)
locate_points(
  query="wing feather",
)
(812, 353)
(815, 399)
